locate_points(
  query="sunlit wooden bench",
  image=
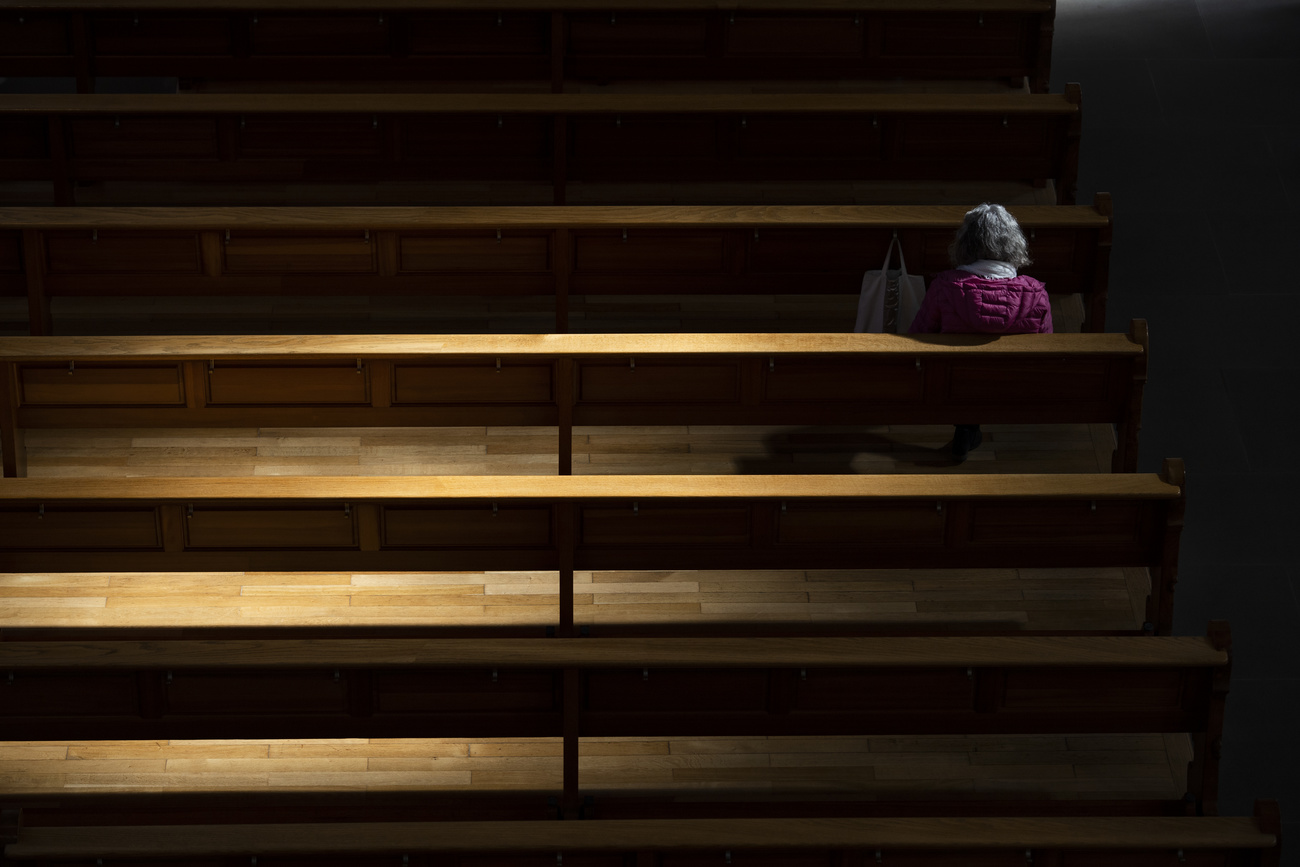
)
(531, 43)
(571, 379)
(1087, 841)
(600, 523)
(48, 253)
(525, 148)
(622, 687)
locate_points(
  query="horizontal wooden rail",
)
(922, 840)
(599, 522)
(529, 43)
(527, 144)
(568, 379)
(626, 687)
(554, 251)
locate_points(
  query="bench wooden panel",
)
(1082, 841)
(534, 141)
(563, 380)
(598, 687)
(527, 44)
(600, 523)
(555, 251)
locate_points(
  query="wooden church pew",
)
(48, 253)
(532, 44)
(1084, 841)
(571, 379)
(540, 148)
(540, 523)
(623, 687)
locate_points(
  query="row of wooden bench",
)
(601, 523)
(50, 253)
(525, 148)
(574, 687)
(571, 379)
(531, 44)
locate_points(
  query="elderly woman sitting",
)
(984, 294)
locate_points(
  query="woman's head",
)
(989, 232)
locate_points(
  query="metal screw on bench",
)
(1181, 856)
(71, 366)
(498, 19)
(40, 511)
(94, 235)
(726, 857)
(1029, 856)
(877, 856)
(498, 365)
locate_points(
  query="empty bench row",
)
(563, 380)
(50, 253)
(80, 688)
(523, 148)
(530, 44)
(563, 523)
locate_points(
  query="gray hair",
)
(989, 232)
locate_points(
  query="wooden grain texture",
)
(403, 346)
(937, 651)
(544, 103)
(353, 489)
(592, 216)
(1141, 833)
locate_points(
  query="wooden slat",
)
(1141, 833)
(1047, 486)
(644, 216)
(545, 103)
(272, 347)
(891, 652)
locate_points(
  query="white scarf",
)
(991, 269)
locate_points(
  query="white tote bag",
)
(889, 299)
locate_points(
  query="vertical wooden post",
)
(571, 802)
(12, 444)
(38, 303)
(564, 388)
(561, 269)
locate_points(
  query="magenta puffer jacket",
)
(966, 303)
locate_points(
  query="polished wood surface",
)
(1103, 833)
(1043, 486)
(202, 348)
